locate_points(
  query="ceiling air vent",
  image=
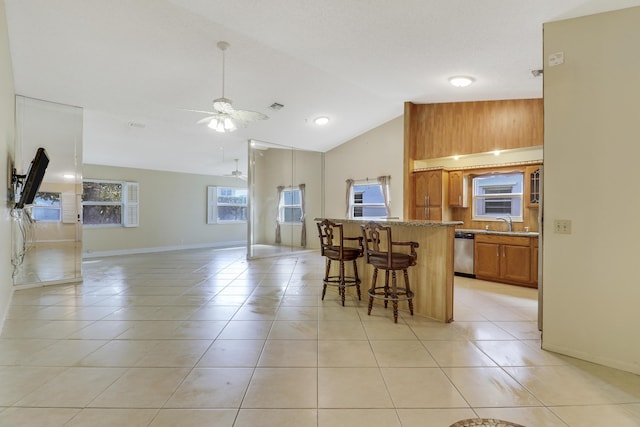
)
(276, 106)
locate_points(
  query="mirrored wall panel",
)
(46, 227)
(286, 194)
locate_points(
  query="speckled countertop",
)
(408, 222)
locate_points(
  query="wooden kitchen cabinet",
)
(507, 259)
(457, 189)
(534, 261)
(532, 183)
(428, 194)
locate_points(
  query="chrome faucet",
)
(509, 222)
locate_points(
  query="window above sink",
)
(498, 195)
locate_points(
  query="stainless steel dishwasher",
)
(463, 254)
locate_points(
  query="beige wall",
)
(173, 214)
(591, 151)
(370, 155)
(7, 139)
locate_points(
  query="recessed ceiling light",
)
(321, 121)
(68, 176)
(461, 81)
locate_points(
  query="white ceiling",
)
(355, 61)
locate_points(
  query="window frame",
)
(129, 204)
(282, 206)
(353, 205)
(213, 205)
(36, 206)
(518, 196)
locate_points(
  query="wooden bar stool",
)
(332, 246)
(382, 253)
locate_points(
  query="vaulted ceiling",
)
(136, 67)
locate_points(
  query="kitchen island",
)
(432, 277)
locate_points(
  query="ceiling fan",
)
(237, 173)
(225, 118)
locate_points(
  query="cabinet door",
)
(457, 189)
(420, 188)
(435, 213)
(420, 212)
(487, 260)
(532, 186)
(534, 262)
(434, 189)
(516, 263)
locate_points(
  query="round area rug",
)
(484, 422)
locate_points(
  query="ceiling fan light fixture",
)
(461, 81)
(222, 124)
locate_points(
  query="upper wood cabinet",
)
(455, 128)
(428, 194)
(457, 189)
(532, 181)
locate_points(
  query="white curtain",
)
(280, 201)
(303, 214)
(384, 184)
(349, 199)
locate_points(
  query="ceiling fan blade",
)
(198, 111)
(207, 119)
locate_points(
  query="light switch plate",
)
(562, 226)
(556, 59)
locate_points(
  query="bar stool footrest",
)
(337, 281)
(401, 294)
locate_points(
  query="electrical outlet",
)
(562, 226)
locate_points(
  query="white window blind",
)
(69, 213)
(131, 204)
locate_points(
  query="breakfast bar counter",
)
(432, 277)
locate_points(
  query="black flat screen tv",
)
(33, 178)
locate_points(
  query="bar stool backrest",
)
(381, 251)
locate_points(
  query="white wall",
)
(7, 140)
(591, 152)
(173, 214)
(370, 155)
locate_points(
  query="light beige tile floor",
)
(207, 338)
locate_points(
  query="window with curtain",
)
(367, 200)
(290, 206)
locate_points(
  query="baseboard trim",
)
(605, 361)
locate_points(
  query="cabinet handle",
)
(460, 200)
(425, 201)
(498, 251)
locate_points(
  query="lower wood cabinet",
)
(507, 259)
